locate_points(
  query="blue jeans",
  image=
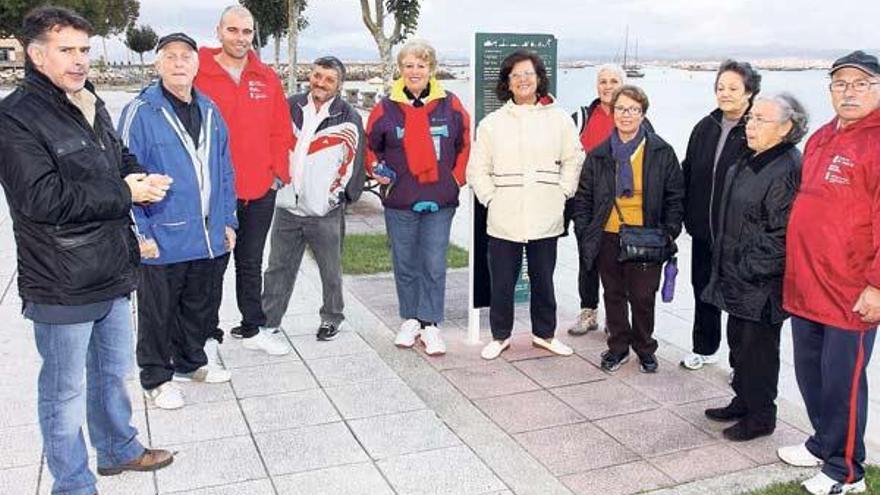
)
(418, 251)
(103, 349)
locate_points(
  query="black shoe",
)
(648, 364)
(237, 332)
(746, 430)
(731, 412)
(327, 331)
(611, 362)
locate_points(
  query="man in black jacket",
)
(70, 185)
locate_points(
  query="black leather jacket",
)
(68, 201)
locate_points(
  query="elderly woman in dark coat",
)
(748, 261)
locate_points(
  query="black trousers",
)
(628, 285)
(588, 283)
(505, 261)
(707, 318)
(830, 365)
(175, 310)
(754, 355)
(254, 220)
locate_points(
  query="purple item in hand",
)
(669, 273)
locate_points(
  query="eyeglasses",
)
(635, 111)
(858, 86)
(752, 119)
(522, 75)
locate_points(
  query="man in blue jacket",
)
(175, 130)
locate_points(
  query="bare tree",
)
(406, 18)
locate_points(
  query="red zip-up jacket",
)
(258, 118)
(833, 236)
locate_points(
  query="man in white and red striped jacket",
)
(327, 172)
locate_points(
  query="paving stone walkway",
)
(360, 416)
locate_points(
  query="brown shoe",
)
(150, 460)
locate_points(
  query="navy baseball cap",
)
(181, 37)
(857, 60)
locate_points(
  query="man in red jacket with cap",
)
(254, 106)
(832, 277)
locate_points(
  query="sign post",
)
(490, 50)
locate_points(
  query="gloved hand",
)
(425, 207)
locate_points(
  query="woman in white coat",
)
(524, 165)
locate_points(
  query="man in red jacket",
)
(832, 277)
(253, 104)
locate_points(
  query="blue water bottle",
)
(669, 273)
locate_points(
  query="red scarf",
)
(418, 144)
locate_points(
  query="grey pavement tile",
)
(301, 324)
(536, 410)
(574, 448)
(253, 487)
(673, 385)
(212, 463)
(21, 479)
(652, 433)
(234, 355)
(602, 399)
(312, 447)
(452, 471)
(701, 463)
(196, 423)
(19, 409)
(459, 353)
(694, 413)
(396, 434)
(290, 410)
(763, 450)
(193, 393)
(21, 446)
(373, 398)
(550, 372)
(346, 370)
(346, 342)
(129, 483)
(624, 479)
(290, 376)
(135, 395)
(497, 378)
(352, 479)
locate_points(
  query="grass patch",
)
(364, 254)
(872, 476)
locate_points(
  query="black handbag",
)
(643, 244)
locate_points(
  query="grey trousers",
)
(290, 236)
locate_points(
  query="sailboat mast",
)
(625, 46)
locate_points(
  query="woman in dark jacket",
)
(748, 261)
(634, 176)
(716, 143)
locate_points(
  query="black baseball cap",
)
(857, 60)
(171, 38)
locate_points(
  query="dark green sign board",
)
(490, 49)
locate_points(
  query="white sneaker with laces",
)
(821, 484)
(494, 349)
(205, 374)
(212, 350)
(166, 396)
(264, 340)
(430, 338)
(409, 331)
(798, 455)
(553, 345)
(694, 361)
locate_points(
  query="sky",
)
(586, 29)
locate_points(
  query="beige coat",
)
(525, 163)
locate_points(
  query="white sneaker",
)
(798, 455)
(166, 396)
(553, 345)
(409, 331)
(494, 349)
(212, 350)
(821, 484)
(588, 321)
(694, 361)
(430, 338)
(205, 374)
(267, 342)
